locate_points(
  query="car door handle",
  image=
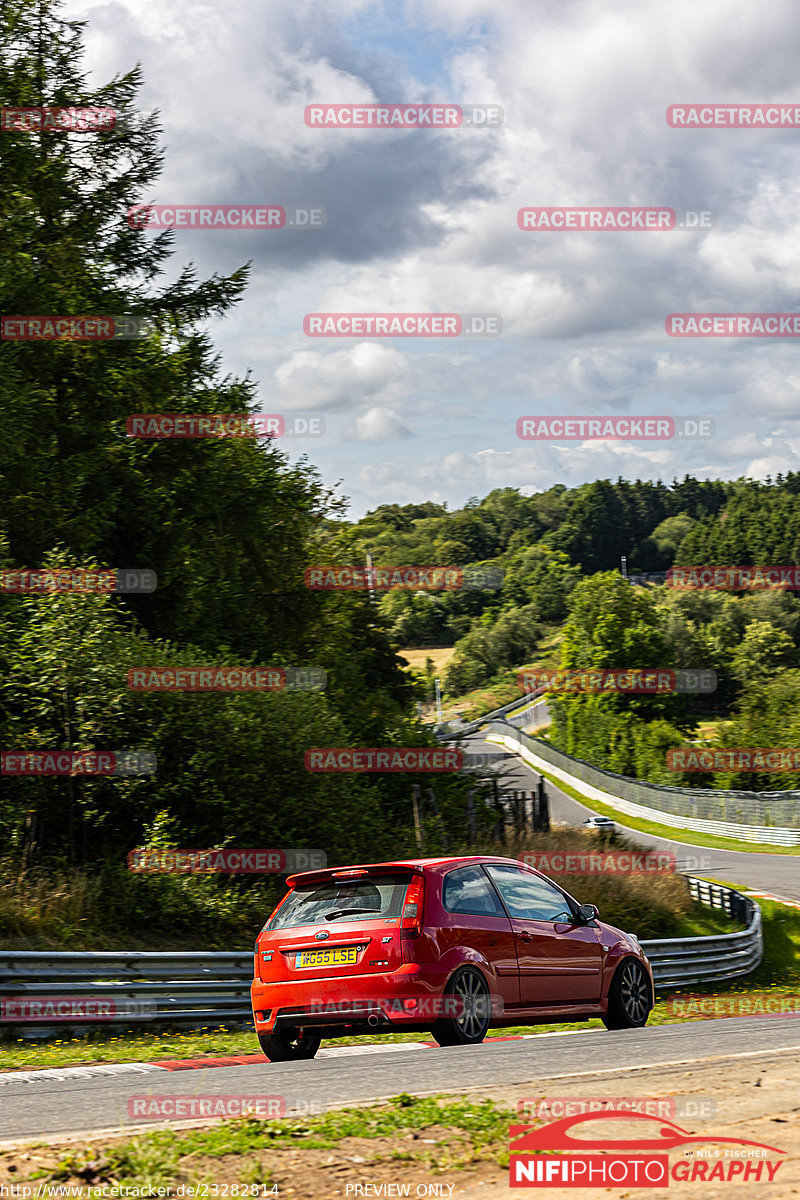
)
(524, 936)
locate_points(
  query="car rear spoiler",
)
(360, 872)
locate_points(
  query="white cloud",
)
(380, 425)
(426, 221)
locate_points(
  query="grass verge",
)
(422, 1137)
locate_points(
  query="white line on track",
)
(777, 899)
(369, 1048)
(64, 1074)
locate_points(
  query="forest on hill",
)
(560, 553)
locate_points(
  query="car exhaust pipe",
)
(373, 1021)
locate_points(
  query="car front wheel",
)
(629, 999)
(287, 1045)
(467, 1008)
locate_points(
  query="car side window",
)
(467, 890)
(528, 897)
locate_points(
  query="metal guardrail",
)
(641, 578)
(679, 961)
(194, 989)
(509, 713)
(185, 988)
(778, 812)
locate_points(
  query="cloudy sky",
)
(426, 221)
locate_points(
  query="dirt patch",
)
(439, 655)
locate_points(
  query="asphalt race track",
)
(76, 1100)
(778, 874)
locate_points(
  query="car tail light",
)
(411, 920)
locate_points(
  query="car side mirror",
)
(588, 912)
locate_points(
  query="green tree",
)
(762, 651)
(228, 525)
(543, 577)
(224, 524)
(613, 625)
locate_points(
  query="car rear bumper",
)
(405, 998)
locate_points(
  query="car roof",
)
(436, 866)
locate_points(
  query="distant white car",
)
(601, 823)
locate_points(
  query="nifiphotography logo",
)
(553, 1156)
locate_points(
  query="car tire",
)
(469, 1026)
(630, 999)
(289, 1044)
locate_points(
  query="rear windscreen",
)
(336, 903)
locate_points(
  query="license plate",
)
(327, 958)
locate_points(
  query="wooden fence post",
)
(415, 810)
(439, 821)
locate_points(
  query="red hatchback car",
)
(446, 945)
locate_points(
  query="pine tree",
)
(224, 524)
